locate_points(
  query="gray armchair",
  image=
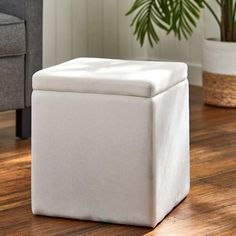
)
(20, 57)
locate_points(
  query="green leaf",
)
(178, 16)
(149, 14)
(185, 13)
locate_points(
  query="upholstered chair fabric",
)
(12, 39)
(20, 34)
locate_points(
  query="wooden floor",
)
(210, 208)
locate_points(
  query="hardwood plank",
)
(210, 208)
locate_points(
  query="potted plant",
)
(180, 17)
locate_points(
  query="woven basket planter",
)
(219, 73)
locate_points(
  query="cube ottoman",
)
(110, 140)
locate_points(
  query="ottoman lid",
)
(108, 76)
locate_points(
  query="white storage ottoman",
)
(110, 140)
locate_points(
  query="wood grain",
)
(210, 208)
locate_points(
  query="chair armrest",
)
(31, 11)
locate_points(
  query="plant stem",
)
(233, 21)
(224, 25)
(228, 20)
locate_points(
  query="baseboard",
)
(195, 74)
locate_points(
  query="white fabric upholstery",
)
(110, 158)
(107, 76)
(170, 149)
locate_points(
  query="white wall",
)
(99, 28)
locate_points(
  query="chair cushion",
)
(12, 36)
(108, 76)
